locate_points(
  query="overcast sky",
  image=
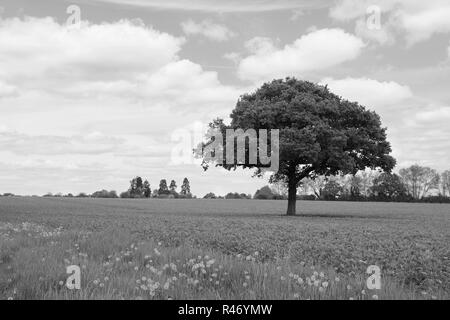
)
(89, 107)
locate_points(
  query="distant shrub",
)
(104, 194)
(306, 197)
(265, 193)
(210, 195)
(236, 195)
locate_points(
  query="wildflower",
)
(336, 279)
(106, 279)
(300, 280)
(433, 297)
(363, 292)
(96, 282)
(296, 295)
(349, 287)
(217, 282)
(245, 284)
(247, 277)
(144, 278)
(321, 289)
(282, 278)
(256, 253)
(316, 283)
(325, 284)
(166, 285)
(375, 297)
(102, 285)
(322, 275)
(61, 283)
(351, 298)
(136, 268)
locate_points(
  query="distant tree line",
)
(412, 184)
(141, 189)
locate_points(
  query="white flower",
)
(375, 297)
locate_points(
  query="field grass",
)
(221, 249)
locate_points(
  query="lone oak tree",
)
(320, 133)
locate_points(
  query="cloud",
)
(319, 49)
(417, 20)
(434, 115)
(123, 59)
(369, 92)
(208, 29)
(25, 144)
(7, 90)
(33, 48)
(383, 36)
(220, 5)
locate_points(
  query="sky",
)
(87, 104)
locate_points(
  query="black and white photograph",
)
(228, 157)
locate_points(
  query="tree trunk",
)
(292, 197)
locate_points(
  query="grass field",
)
(221, 249)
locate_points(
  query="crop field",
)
(222, 249)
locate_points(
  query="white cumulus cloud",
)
(369, 92)
(319, 49)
